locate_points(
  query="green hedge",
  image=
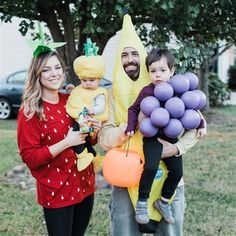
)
(218, 91)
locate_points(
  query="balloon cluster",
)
(174, 107)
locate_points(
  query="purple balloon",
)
(179, 83)
(193, 80)
(160, 117)
(202, 98)
(148, 104)
(175, 107)
(191, 100)
(190, 119)
(173, 129)
(146, 128)
(163, 91)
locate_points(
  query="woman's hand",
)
(74, 138)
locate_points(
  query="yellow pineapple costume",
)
(88, 66)
(125, 92)
(80, 98)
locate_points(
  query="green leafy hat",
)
(40, 46)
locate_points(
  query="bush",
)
(232, 77)
(218, 91)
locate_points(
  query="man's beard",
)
(133, 74)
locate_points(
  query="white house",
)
(15, 54)
(227, 59)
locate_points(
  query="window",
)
(18, 78)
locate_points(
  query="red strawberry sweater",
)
(59, 183)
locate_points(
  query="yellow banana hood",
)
(125, 90)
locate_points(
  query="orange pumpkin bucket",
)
(122, 168)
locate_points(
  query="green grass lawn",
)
(209, 173)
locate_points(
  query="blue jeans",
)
(123, 215)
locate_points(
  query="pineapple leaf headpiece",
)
(40, 46)
(90, 49)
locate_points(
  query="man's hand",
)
(169, 149)
(201, 133)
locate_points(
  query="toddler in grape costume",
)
(88, 100)
(160, 65)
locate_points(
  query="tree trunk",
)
(70, 52)
(50, 14)
(203, 80)
(82, 24)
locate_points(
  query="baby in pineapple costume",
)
(88, 100)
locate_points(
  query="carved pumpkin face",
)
(121, 170)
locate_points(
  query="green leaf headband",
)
(90, 49)
(40, 46)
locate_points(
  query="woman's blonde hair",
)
(32, 96)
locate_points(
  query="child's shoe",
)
(141, 213)
(84, 159)
(165, 210)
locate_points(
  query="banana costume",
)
(125, 92)
(91, 65)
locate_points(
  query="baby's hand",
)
(91, 111)
(201, 133)
(130, 134)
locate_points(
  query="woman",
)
(45, 140)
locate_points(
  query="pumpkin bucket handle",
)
(127, 145)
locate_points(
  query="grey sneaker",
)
(141, 214)
(165, 210)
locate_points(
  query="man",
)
(130, 76)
